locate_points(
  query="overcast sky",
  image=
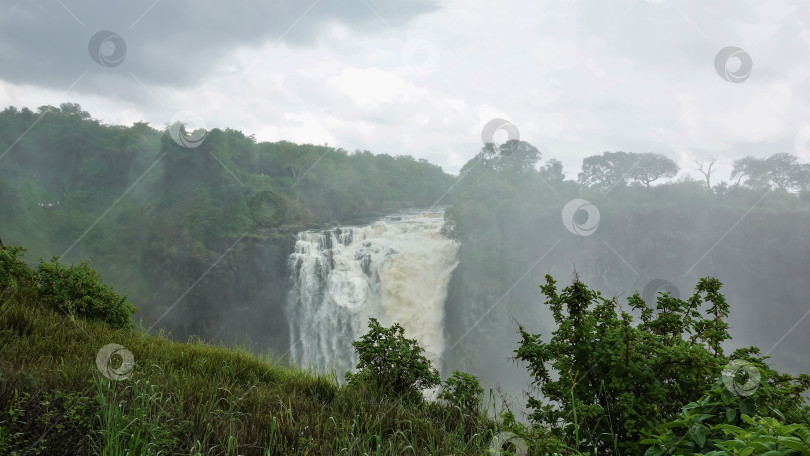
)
(422, 78)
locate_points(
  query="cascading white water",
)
(396, 270)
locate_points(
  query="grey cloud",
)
(682, 38)
(172, 44)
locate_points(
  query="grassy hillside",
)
(189, 398)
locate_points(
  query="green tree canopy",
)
(605, 380)
(780, 171)
(620, 168)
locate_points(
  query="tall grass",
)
(196, 399)
(130, 419)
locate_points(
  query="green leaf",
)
(731, 414)
(794, 443)
(747, 408)
(657, 450)
(699, 435)
(789, 429)
(673, 424)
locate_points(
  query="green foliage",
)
(694, 432)
(79, 290)
(392, 363)
(613, 169)
(45, 422)
(14, 273)
(780, 171)
(764, 436)
(612, 386)
(705, 425)
(513, 157)
(605, 379)
(463, 390)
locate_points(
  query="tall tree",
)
(707, 173)
(780, 171)
(552, 171)
(619, 168)
(607, 170)
(514, 156)
(649, 167)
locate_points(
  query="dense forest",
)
(154, 215)
(197, 237)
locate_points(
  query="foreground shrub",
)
(463, 390)
(756, 436)
(44, 422)
(392, 363)
(692, 433)
(606, 380)
(722, 422)
(78, 290)
(14, 273)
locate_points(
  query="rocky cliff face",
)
(240, 300)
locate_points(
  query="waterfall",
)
(397, 270)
